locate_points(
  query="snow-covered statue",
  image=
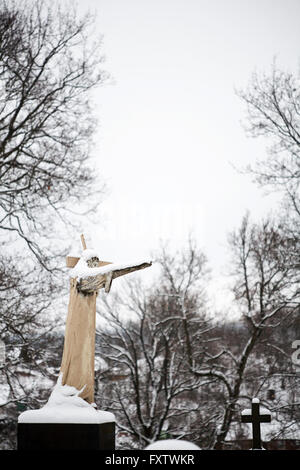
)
(88, 275)
(72, 399)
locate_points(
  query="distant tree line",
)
(176, 369)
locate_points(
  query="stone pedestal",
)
(66, 436)
(71, 425)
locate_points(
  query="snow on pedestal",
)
(82, 270)
(65, 406)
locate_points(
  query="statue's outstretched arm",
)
(91, 284)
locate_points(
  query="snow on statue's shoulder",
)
(82, 271)
(66, 406)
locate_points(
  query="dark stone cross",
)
(254, 417)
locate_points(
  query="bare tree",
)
(184, 278)
(267, 294)
(50, 64)
(27, 329)
(48, 67)
(273, 104)
(147, 354)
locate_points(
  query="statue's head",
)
(93, 262)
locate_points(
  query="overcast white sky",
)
(170, 126)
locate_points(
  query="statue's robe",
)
(78, 359)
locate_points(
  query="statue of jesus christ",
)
(88, 276)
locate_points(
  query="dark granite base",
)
(66, 436)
